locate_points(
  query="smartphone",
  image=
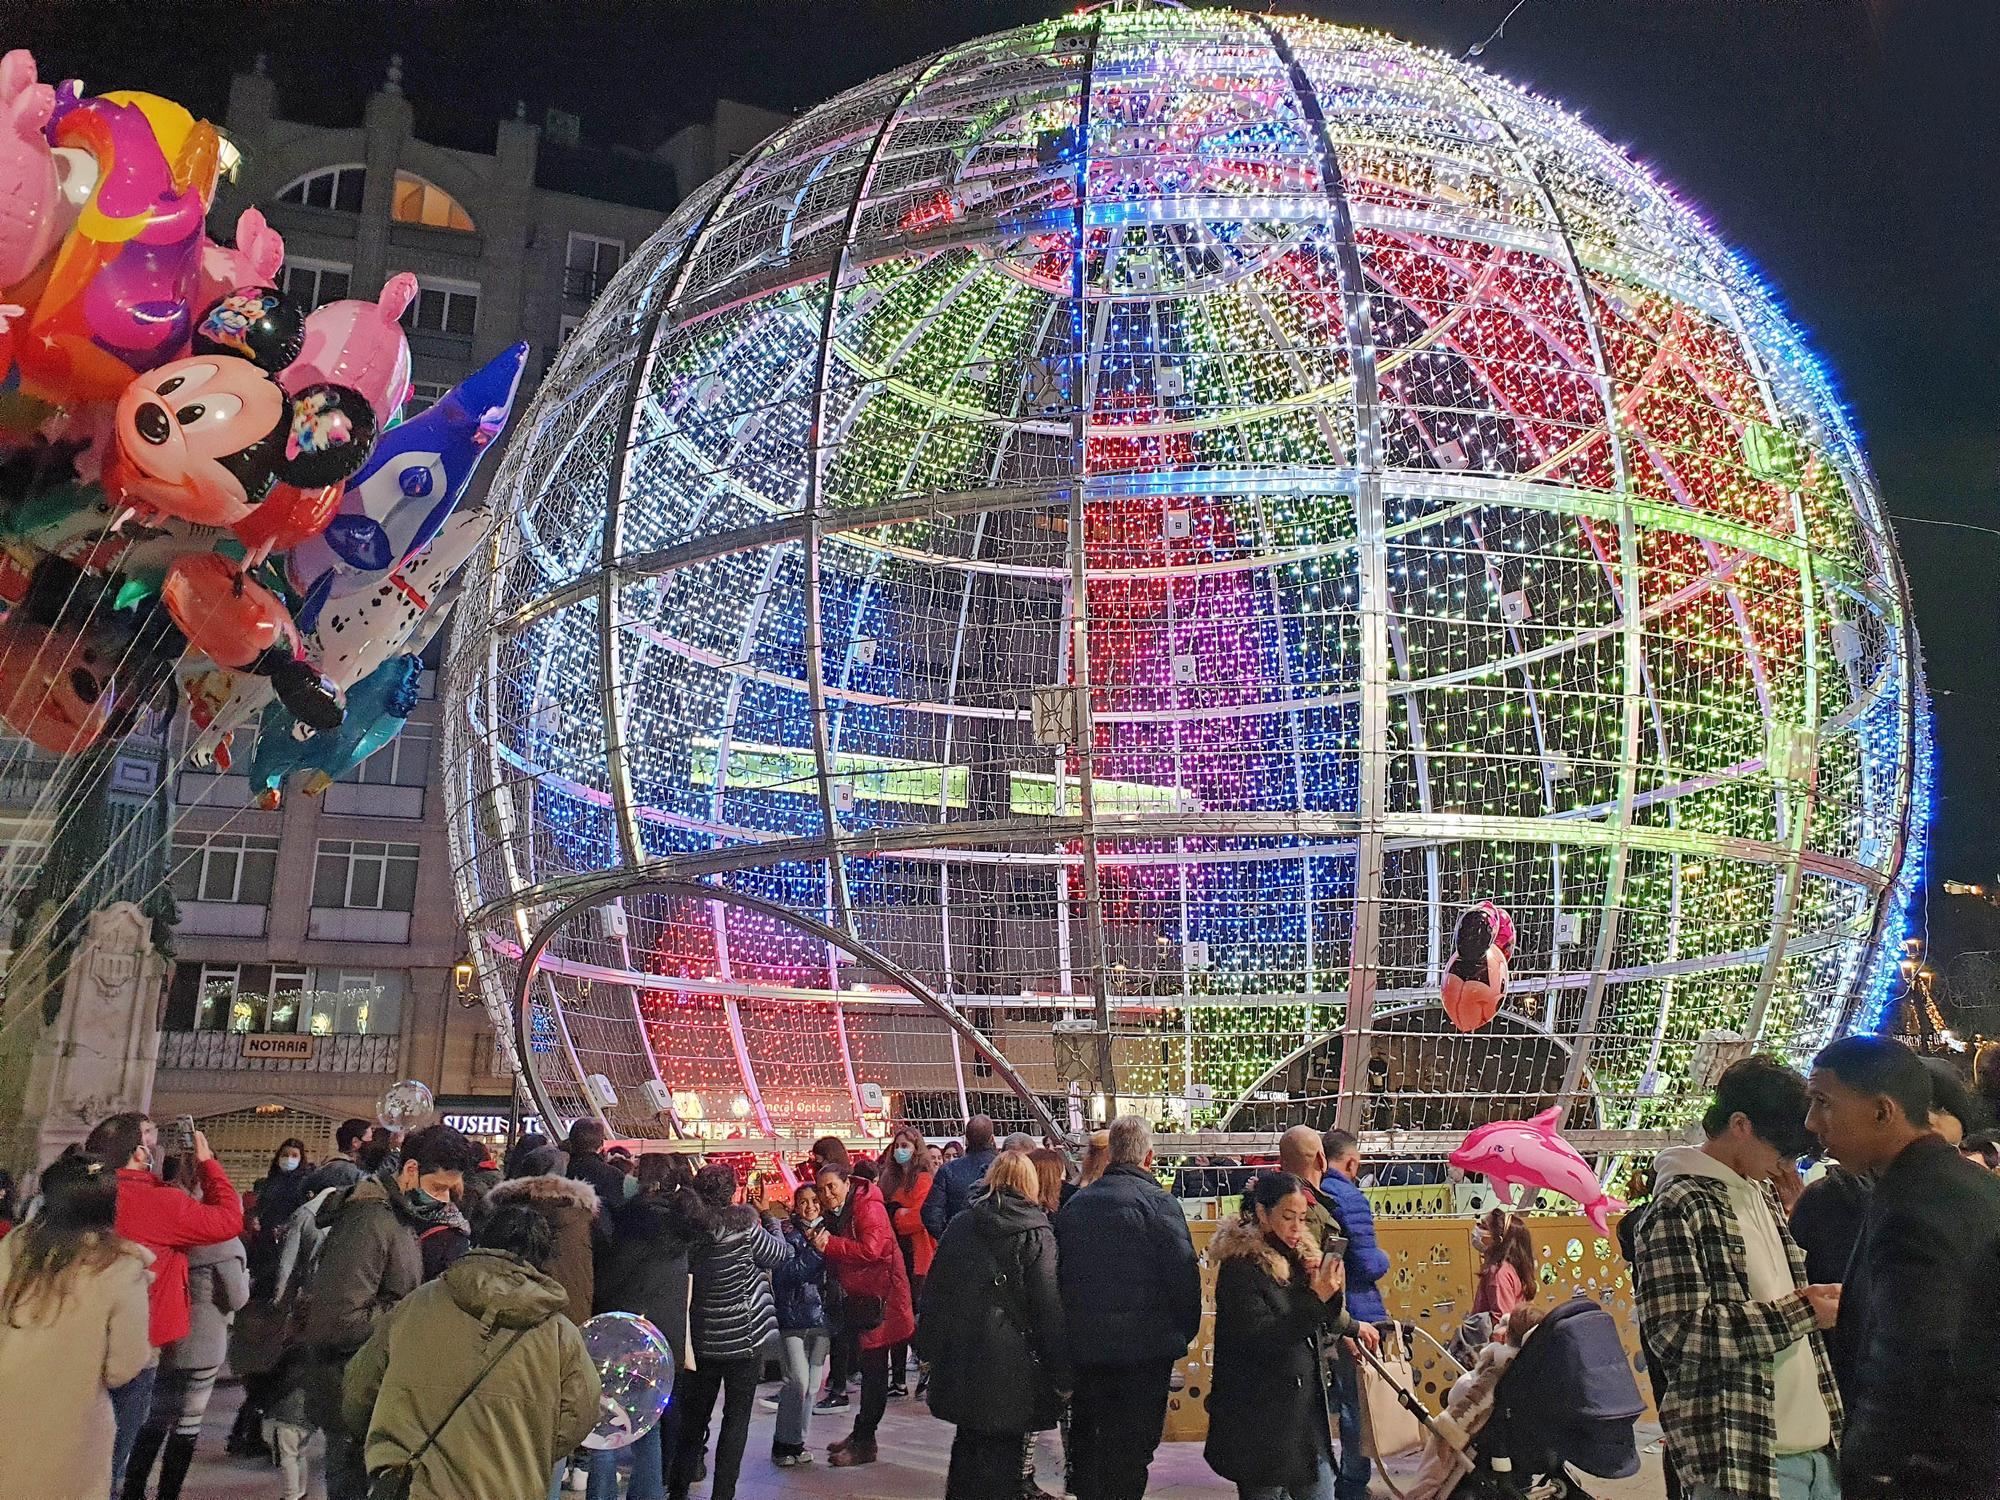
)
(1333, 1244)
(184, 1132)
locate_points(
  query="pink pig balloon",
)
(28, 219)
(359, 345)
(1530, 1152)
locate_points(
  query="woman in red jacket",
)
(905, 1185)
(860, 1246)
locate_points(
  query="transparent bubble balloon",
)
(406, 1106)
(637, 1369)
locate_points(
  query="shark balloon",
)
(417, 476)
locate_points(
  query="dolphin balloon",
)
(1531, 1152)
(417, 475)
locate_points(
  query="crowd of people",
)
(1809, 1342)
(419, 1306)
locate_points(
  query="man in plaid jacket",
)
(1751, 1411)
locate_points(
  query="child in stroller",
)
(1558, 1392)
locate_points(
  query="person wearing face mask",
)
(905, 1187)
(166, 1221)
(256, 1341)
(370, 1259)
(802, 1327)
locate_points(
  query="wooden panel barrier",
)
(1432, 1267)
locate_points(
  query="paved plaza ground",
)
(914, 1448)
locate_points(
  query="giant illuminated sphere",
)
(1097, 546)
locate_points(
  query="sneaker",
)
(852, 1456)
(769, 1403)
(898, 1391)
(791, 1460)
(836, 1402)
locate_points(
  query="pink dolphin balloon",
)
(1530, 1152)
(359, 345)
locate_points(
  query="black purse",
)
(394, 1483)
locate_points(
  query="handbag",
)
(394, 1483)
(1388, 1427)
(862, 1311)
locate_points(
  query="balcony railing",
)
(219, 1050)
(583, 283)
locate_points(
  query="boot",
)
(246, 1437)
(145, 1448)
(174, 1464)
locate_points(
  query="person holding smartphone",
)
(168, 1222)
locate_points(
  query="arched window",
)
(422, 202)
(329, 187)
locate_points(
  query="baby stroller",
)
(1566, 1399)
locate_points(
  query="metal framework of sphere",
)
(1065, 569)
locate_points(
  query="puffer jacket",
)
(796, 1284)
(218, 1286)
(992, 1323)
(168, 1222)
(1367, 1262)
(1267, 1396)
(1131, 1284)
(570, 1206)
(862, 1250)
(732, 1315)
(538, 1401)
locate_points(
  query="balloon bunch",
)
(206, 490)
(1477, 974)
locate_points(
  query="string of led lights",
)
(1132, 524)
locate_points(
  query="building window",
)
(231, 867)
(404, 761)
(364, 876)
(444, 307)
(313, 283)
(331, 187)
(590, 264)
(241, 997)
(346, 1002)
(424, 394)
(425, 203)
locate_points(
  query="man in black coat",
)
(587, 1164)
(956, 1183)
(1131, 1290)
(1918, 1316)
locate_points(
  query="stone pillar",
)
(100, 1054)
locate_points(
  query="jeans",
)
(1351, 1482)
(649, 1479)
(648, 1475)
(289, 1441)
(984, 1465)
(1116, 1418)
(130, 1404)
(804, 1358)
(874, 1397)
(1801, 1476)
(694, 1392)
(1321, 1487)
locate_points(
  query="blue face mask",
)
(903, 1154)
(288, 1164)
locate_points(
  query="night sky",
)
(1851, 147)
